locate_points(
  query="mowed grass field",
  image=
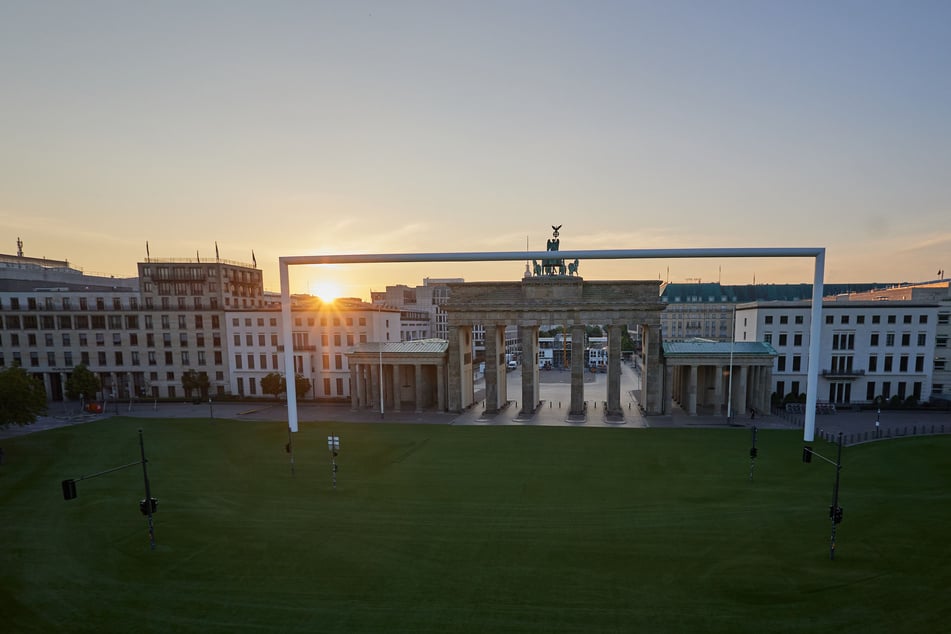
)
(470, 529)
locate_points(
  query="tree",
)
(301, 384)
(82, 381)
(273, 383)
(195, 380)
(22, 397)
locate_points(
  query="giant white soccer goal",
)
(818, 253)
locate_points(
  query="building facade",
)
(869, 350)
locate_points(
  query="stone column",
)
(397, 386)
(419, 387)
(529, 338)
(354, 395)
(741, 406)
(374, 381)
(441, 387)
(614, 371)
(492, 380)
(578, 333)
(692, 391)
(652, 386)
(455, 370)
(668, 406)
(717, 389)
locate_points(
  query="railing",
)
(843, 373)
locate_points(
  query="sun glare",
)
(326, 291)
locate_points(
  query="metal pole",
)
(815, 335)
(290, 448)
(729, 389)
(288, 336)
(753, 452)
(148, 492)
(835, 498)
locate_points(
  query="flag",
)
(254, 260)
(147, 256)
(216, 251)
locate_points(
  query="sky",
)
(302, 128)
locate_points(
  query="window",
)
(338, 361)
(781, 363)
(199, 321)
(274, 339)
(339, 387)
(797, 339)
(784, 319)
(873, 339)
(250, 361)
(906, 319)
(249, 339)
(362, 321)
(168, 358)
(101, 357)
(873, 363)
(768, 319)
(922, 319)
(185, 358)
(337, 340)
(167, 339)
(65, 338)
(906, 338)
(870, 391)
(903, 363)
(274, 361)
(830, 319)
(261, 340)
(116, 339)
(922, 338)
(326, 362)
(891, 319)
(262, 362)
(237, 362)
(152, 360)
(797, 363)
(327, 387)
(218, 357)
(888, 363)
(252, 385)
(919, 363)
(876, 319)
(135, 357)
(100, 339)
(890, 339)
(860, 319)
(349, 339)
(183, 338)
(51, 359)
(844, 319)
(782, 339)
(767, 337)
(84, 358)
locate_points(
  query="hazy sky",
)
(292, 128)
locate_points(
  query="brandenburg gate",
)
(551, 293)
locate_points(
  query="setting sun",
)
(326, 291)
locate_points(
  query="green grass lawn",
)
(470, 529)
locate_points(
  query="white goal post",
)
(815, 330)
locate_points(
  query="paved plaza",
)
(555, 394)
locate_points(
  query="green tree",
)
(82, 381)
(22, 397)
(301, 384)
(195, 380)
(273, 383)
(594, 331)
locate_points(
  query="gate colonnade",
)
(540, 301)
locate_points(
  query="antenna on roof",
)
(19, 247)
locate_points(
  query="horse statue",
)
(573, 267)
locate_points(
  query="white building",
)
(868, 349)
(323, 335)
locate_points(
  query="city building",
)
(869, 350)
